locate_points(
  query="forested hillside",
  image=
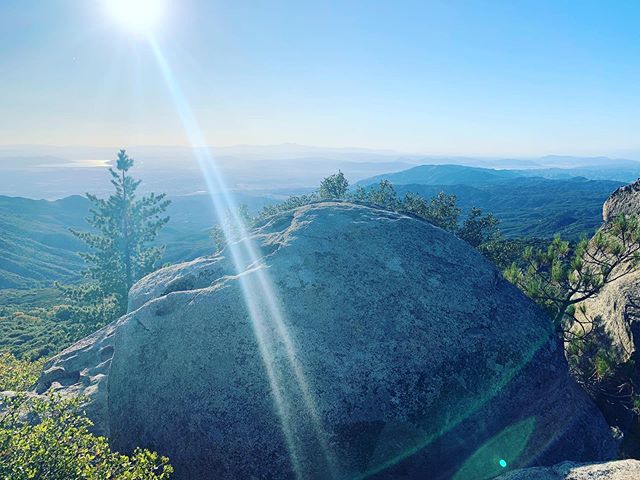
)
(37, 248)
(526, 206)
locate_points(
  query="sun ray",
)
(257, 289)
(136, 15)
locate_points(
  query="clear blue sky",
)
(441, 77)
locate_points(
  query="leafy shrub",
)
(53, 442)
(36, 332)
(18, 375)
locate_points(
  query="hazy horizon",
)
(52, 172)
(433, 78)
(293, 147)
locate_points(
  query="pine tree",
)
(561, 277)
(123, 228)
(334, 186)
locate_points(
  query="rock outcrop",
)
(625, 200)
(340, 341)
(619, 470)
(615, 313)
(617, 306)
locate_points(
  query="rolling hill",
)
(36, 247)
(444, 175)
(527, 206)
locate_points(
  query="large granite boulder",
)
(340, 341)
(618, 470)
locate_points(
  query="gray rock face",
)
(620, 470)
(625, 200)
(617, 306)
(82, 370)
(615, 313)
(354, 343)
(617, 310)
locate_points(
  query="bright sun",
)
(139, 16)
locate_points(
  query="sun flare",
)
(139, 16)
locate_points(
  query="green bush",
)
(50, 439)
(33, 332)
(18, 375)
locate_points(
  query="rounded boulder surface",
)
(344, 341)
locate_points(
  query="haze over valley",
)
(319, 240)
(43, 172)
(532, 197)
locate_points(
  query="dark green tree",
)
(384, 194)
(562, 276)
(504, 252)
(360, 194)
(443, 211)
(334, 186)
(559, 279)
(478, 228)
(124, 226)
(415, 204)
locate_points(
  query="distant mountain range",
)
(625, 171)
(57, 172)
(36, 246)
(527, 205)
(444, 175)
